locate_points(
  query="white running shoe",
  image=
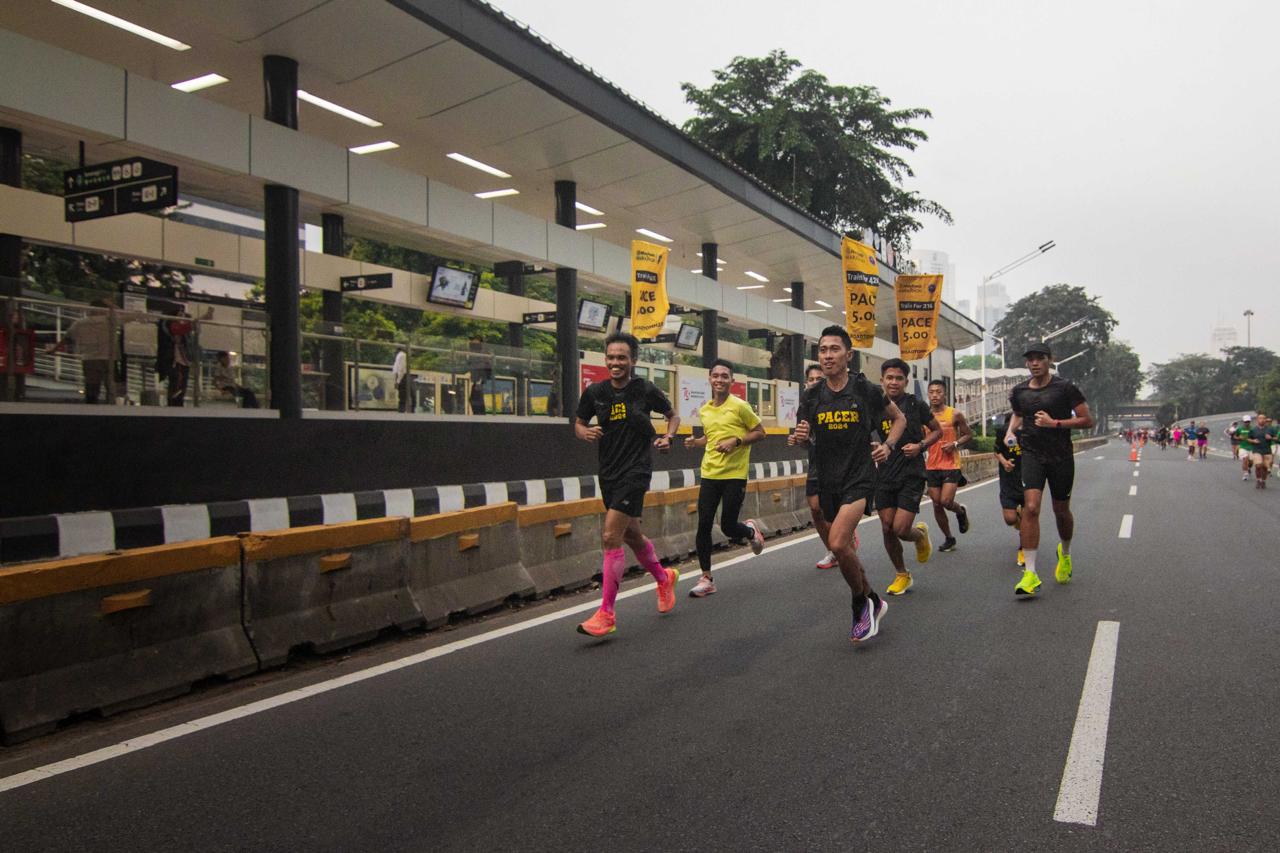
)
(757, 538)
(827, 562)
(704, 587)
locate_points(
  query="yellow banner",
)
(919, 299)
(861, 285)
(648, 289)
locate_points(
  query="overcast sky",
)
(1142, 136)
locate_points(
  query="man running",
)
(942, 467)
(900, 478)
(729, 425)
(621, 406)
(1189, 435)
(840, 414)
(1009, 456)
(1202, 440)
(1045, 410)
(1230, 433)
(1162, 436)
(1260, 454)
(812, 377)
(1241, 446)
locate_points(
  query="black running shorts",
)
(1059, 474)
(810, 488)
(830, 502)
(1010, 490)
(904, 495)
(624, 496)
(937, 477)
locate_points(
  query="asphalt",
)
(747, 721)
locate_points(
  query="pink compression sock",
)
(615, 563)
(648, 558)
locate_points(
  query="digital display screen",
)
(593, 316)
(450, 286)
(688, 336)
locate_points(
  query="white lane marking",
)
(1126, 526)
(1081, 786)
(98, 756)
(1138, 464)
(1135, 473)
(1099, 457)
(1133, 490)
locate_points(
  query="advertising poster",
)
(788, 406)
(919, 299)
(648, 289)
(861, 286)
(693, 393)
(591, 373)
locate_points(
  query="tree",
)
(1241, 374)
(1190, 382)
(831, 149)
(1033, 317)
(973, 362)
(1116, 379)
(1268, 401)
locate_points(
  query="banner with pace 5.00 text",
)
(648, 289)
(861, 285)
(919, 299)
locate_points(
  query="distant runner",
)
(1242, 446)
(1260, 450)
(942, 467)
(620, 406)
(1233, 439)
(1202, 440)
(1011, 497)
(1045, 410)
(900, 478)
(729, 425)
(840, 413)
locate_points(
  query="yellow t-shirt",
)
(732, 419)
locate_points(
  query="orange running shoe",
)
(599, 625)
(667, 591)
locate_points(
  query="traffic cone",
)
(1133, 453)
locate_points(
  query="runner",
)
(1260, 454)
(1177, 436)
(900, 478)
(942, 468)
(621, 406)
(839, 413)
(1045, 410)
(1233, 439)
(1162, 436)
(1189, 436)
(1202, 441)
(729, 425)
(1241, 445)
(1010, 459)
(812, 377)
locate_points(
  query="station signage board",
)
(131, 185)
(359, 283)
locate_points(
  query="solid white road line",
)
(1133, 490)
(1081, 786)
(1126, 526)
(97, 756)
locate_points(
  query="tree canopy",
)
(1243, 379)
(832, 149)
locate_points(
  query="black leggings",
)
(728, 495)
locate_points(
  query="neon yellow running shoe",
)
(923, 546)
(901, 583)
(1063, 573)
(1022, 558)
(1028, 585)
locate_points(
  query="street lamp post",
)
(982, 312)
(1248, 327)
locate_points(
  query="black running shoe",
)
(948, 544)
(962, 518)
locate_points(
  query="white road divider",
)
(1081, 788)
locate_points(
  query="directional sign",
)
(380, 281)
(122, 186)
(540, 317)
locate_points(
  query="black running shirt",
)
(841, 423)
(1058, 398)
(623, 414)
(1013, 454)
(897, 467)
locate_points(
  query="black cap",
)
(1038, 346)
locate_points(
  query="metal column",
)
(280, 215)
(333, 242)
(796, 367)
(567, 305)
(11, 251)
(710, 319)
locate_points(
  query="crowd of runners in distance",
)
(872, 447)
(1253, 443)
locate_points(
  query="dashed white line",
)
(1099, 457)
(1135, 473)
(1126, 526)
(1081, 787)
(1133, 490)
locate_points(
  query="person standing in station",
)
(729, 427)
(942, 467)
(840, 414)
(621, 407)
(1045, 410)
(900, 478)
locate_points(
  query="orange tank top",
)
(939, 459)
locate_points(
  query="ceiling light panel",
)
(591, 226)
(317, 101)
(498, 193)
(751, 287)
(121, 23)
(755, 275)
(204, 81)
(374, 147)
(476, 164)
(586, 208)
(654, 235)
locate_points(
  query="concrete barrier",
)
(671, 521)
(326, 587)
(1089, 443)
(560, 543)
(979, 466)
(466, 562)
(115, 631)
(773, 501)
